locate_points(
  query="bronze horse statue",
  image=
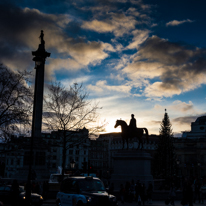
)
(128, 132)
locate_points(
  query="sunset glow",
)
(133, 56)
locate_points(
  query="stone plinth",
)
(131, 164)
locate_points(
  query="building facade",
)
(191, 150)
(14, 156)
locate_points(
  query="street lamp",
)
(178, 162)
(72, 165)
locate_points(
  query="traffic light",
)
(91, 168)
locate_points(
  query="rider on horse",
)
(132, 125)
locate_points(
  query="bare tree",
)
(67, 111)
(15, 100)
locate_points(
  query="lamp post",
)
(178, 177)
(199, 172)
(178, 162)
(72, 165)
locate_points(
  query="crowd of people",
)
(138, 192)
(193, 190)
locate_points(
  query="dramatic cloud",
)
(176, 22)
(119, 24)
(20, 36)
(139, 37)
(21, 30)
(179, 68)
(107, 45)
(109, 19)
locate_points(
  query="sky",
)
(133, 56)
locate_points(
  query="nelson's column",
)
(40, 57)
(37, 153)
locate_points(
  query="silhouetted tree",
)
(69, 111)
(164, 160)
(15, 101)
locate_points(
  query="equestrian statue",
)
(131, 131)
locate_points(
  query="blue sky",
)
(133, 56)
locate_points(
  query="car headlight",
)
(41, 198)
(89, 199)
(23, 197)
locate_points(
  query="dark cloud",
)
(180, 68)
(19, 27)
(19, 37)
(16, 22)
(169, 53)
(186, 119)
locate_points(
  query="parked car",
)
(84, 191)
(6, 195)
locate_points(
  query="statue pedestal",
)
(131, 165)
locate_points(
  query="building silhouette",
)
(190, 150)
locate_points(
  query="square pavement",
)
(157, 203)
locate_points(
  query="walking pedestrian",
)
(15, 192)
(122, 193)
(197, 190)
(149, 193)
(143, 191)
(187, 194)
(127, 190)
(172, 194)
(132, 191)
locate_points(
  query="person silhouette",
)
(132, 125)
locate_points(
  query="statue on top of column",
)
(41, 37)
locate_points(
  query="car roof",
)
(82, 177)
